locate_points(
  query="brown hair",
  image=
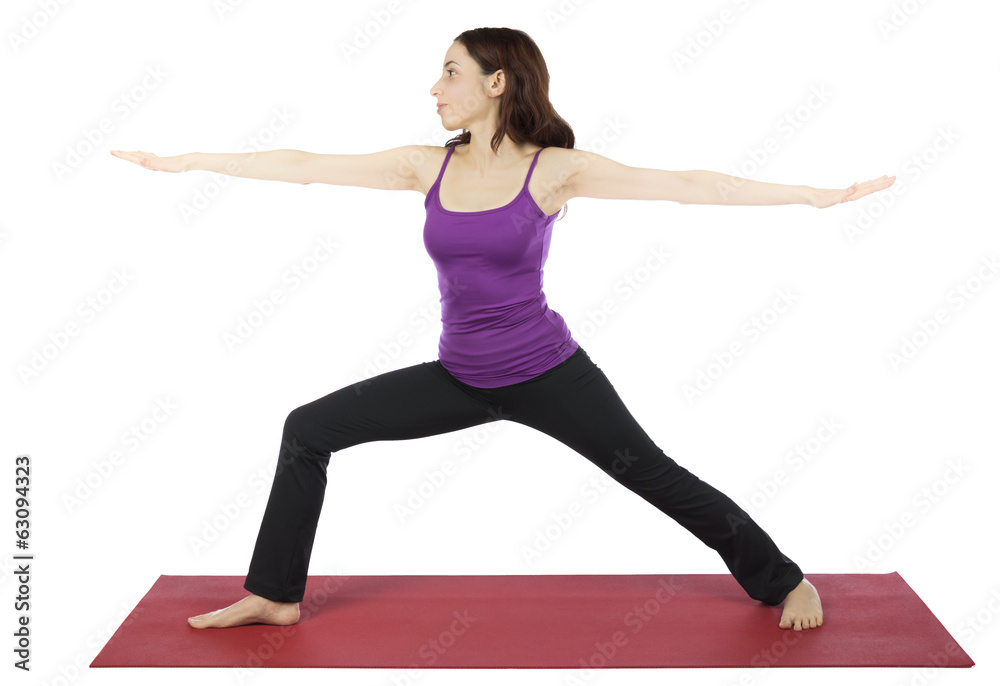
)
(526, 115)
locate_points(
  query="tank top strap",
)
(532, 167)
(437, 181)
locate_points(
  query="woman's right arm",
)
(392, 169)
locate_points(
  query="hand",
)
(826, 198)
(148, 160)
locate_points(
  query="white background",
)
(897, 76)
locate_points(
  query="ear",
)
(498, 83)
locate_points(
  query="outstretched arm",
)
(392, 169)
(714, 188)
(595, 176)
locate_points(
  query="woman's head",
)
(497, 77)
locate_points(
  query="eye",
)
(451, 70)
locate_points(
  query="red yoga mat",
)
(530, 621)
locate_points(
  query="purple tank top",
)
(497, 326)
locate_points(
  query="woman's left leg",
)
(576, 404)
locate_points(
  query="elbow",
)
(681, 187)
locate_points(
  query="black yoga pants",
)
(573, 402)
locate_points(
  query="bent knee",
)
(303, 433)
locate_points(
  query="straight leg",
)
(576, 404)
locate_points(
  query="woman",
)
(503, 353)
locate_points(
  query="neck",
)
(481, 157)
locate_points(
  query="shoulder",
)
(563, 162)
(556, 169)
(426, 161)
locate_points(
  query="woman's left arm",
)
(714, 188)
(591, 175)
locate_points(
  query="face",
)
(467, 96)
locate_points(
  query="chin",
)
(450, 124)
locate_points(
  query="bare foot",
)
(802, 608)
(251, 610)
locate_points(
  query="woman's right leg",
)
(413, 402)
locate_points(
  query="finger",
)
(137, 157)
(130, 156)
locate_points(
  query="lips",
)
(440, 106)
